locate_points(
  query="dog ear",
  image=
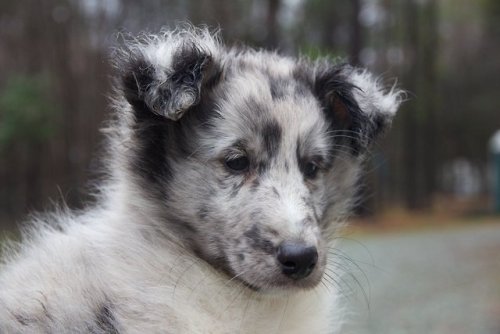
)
(358, 108)
(165, 76)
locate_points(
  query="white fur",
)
(117, 268)
(372, 96)
(158, 285)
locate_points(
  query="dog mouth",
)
(280, 286)
(292, 266)
(280, 283)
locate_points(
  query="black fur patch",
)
(262, 167)
(257, 241)
(336, 96)
(277, 87)
(300, 160)
(254, 106)
(271, 135)
(350, 124)
(188, 71)
(105, 320)
(137, 76)
(189, 62)
(378, 125)
(183, 228)
(150, 160)
(191, 68)
(149, 92)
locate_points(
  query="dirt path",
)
(440, 282)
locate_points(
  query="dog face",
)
(252, 156)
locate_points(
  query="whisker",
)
(285, 307)
(346, 266)
(181, 276)
(244, 314)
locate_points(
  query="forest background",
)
(55, 77)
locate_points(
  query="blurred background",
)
(432, 189)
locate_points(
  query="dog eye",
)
(237, 164)
(310, 170)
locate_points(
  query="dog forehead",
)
(257, 104)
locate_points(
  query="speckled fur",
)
(181, 243)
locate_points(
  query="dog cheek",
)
(238, 255)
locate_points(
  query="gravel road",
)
(431, 282)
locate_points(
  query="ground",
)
(426, 281)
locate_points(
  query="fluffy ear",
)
(166, 75)
(358, 107)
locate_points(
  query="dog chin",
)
(281, 285)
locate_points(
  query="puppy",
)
(229, 171)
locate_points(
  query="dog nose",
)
(297, 261)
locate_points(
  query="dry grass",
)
(443, 216)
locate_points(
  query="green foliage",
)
(26, 112)
(491, 10)
(314, 52)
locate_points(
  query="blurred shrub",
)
(27, 114)
(313, 52)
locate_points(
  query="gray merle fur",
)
(182, 241)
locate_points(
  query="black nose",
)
(297, 261)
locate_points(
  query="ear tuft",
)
(372, 97)
(165, 75)
(357, 105)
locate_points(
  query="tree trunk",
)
(410, 159)
(428, 90)
(356, 41)
(273, 7)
